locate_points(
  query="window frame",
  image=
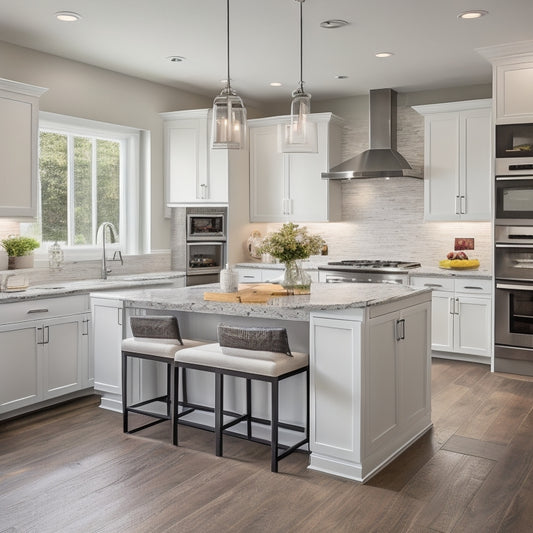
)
(131, 179)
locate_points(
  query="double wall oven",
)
(513, 255)
(206, 237)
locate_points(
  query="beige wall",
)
(85, 91)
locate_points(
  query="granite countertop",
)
(68, 288)
(323, 297)
(433, 271)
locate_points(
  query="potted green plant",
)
(20, 251)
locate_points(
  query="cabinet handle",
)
(119, 316)
(203, 191)
(86, 324)
(458, 308)
(471, 287)
(452, 306)
(43, 310)
(463, 205)
(400, 329)
(43, 329)
(432, 285)
(251, 277)
(457, 205)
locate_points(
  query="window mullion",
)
(94, 190)
(70, 190)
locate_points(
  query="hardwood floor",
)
(71, 469)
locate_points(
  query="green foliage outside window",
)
(94, 186)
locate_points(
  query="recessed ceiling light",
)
(67, 16)
(275, 84)
(384, 54)
(341, 77)
(472, 14)
(333, 24)
(176, 59)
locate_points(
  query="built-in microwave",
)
(514, 199)
(206, 226)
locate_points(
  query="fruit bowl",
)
(459, 264)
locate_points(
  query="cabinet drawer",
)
(437, 284)
(247, 275)
(473, 286)
(43, 308)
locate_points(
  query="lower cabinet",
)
(370, 386)
(461, 317)
(264, 275)
(43, 358)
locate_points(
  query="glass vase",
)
(295, 279)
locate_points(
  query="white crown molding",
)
(500, 51)
(22, 88)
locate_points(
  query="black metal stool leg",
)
(168, 397)
(124, 393)
(274, 427)
(249, 408)
(219, 409)
(184, 384)
(175, 406)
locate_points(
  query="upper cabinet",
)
(288, 186)
(512, 81)
(19, 136)
(194, 173)
(457, 160)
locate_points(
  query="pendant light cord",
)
(228, 83)
(301, 47)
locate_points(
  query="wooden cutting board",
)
(248, 293)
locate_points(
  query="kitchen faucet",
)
(117, 256)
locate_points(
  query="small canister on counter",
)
(229, 279)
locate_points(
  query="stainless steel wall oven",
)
(513, 330)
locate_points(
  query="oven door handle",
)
(514, 178)
(513, 287)
(206, 243)
(513, 245)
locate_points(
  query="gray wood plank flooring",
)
(71, 469)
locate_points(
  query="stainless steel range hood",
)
(382, 160)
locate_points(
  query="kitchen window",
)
(89, 173)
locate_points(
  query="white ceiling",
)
(432, 47)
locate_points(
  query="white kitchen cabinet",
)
(107, 334)
(19, 134)
(461, 317)
(370, 386)
(265, 274)
(457, 160)
(288, 186)
(194, 173)
(44, 350)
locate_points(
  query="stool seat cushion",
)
(272, 364)
(157, 347)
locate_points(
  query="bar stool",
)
(252, 353)
(155, 338)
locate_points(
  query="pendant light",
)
(300, 133)
(229, 114)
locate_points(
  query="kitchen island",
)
(369, 347)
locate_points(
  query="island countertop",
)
(323, 297)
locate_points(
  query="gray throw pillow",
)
(156, 327)
(254, 338)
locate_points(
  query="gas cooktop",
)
(370, 264)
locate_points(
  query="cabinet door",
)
(268, 188)
(476, 166)
(472, 333)
(106, 340)
(20, 366)
(441, 167)
(513, 91)
(19, 132)
(414, 399)
(442, 322)
(186, 160)
(62, 355)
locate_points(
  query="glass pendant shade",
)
(300, 134)
(228, 129)
(229, 121)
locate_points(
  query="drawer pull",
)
(473, 288)
(432, 285)
(43, 310)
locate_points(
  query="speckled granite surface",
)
(323, 297)
(68, 288)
